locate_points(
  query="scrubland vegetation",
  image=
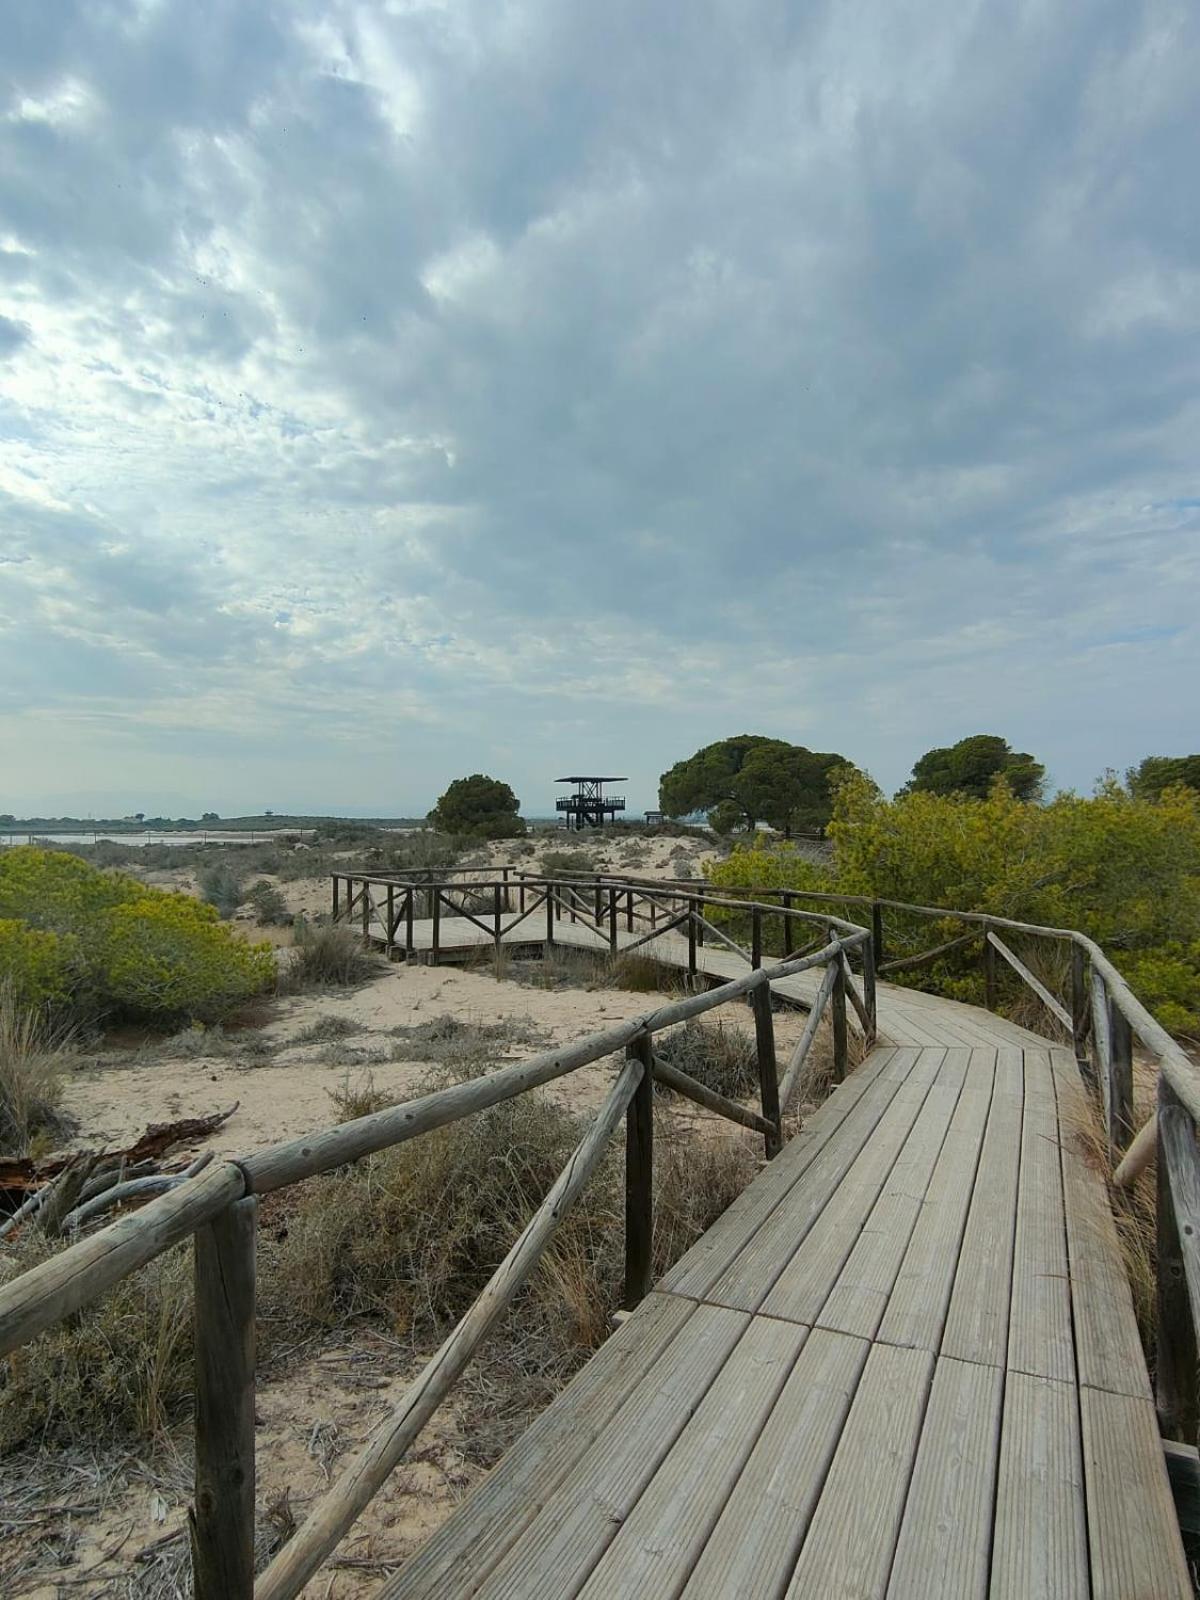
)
(1121, 868)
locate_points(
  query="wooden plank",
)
(916, 1310)
(977, 1319)
(751, 1274)
(576, 1524)
(1040, 1548)
(859, 1298)
(1108, 1347)
(1133, 1530)
(490, 1521)
(871, 1087)
(852, 1537)
(945, 1544)
(1040, 1338)
(803, 1286)
(752, 1550)
(658, 1545)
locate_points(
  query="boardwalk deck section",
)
(904, 1364)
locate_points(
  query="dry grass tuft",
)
(1134, 1209)
(32, 1057)
(719, 1056)
(464, 1047)
(328, 955)
(121, 1367)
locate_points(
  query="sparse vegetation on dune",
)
(404, 1240)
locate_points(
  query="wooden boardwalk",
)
(906, 1016)
(904, 1364)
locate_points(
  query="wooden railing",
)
(1103, 1020)
(219, 1210)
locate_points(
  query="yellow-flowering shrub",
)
(1124, 870)
(169, 955)
(106, 942)
(36, 966)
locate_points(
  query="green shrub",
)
(1124, 870)
(169, 957)
(127, 948)
(39, 966)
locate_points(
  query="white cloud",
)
(427, 381)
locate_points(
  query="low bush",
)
(221, 887)
(328, 1029)
(468, 1048)
(720, 1057)
(328, 955)
(567, 864)
(270, 907)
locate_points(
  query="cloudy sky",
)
(395, 390)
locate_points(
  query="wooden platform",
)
(903, 1364)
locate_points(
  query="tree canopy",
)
(1156, 773)
(749, 779)
(972, 765)
(480, 807)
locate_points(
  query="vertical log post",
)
(989, 969)
(549, 914)
(409, 914)
(521, 893)
(699, 905)
(497, 892)
(437, 923)
(1080, 1011)
(504, 871)
(337, 883)
(639, 1178)
(768, 1066)
(391, 918)
(1175, 1377)
(877, 932)
(756, 942)
(366, 909)
(691, 927)
(599, 903)
(629, 911)
(612, 919)
(837, 1004)
(1120, 1043)
(870, 992)
(222, 1520)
